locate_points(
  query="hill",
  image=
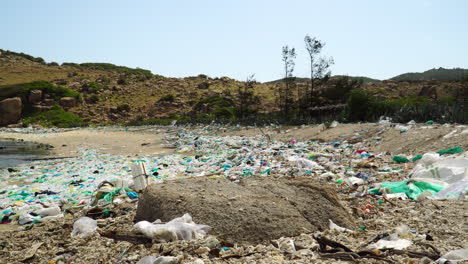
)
(110, 94)
(118, 94)
(365, 80)
(440, 74)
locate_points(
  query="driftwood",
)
(340, 251)
(410, 253)
(126, 236)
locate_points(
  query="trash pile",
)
(93, 198)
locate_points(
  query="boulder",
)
(253, 211)
(67, 102)
(41, 108)
(10, 111)
(35, 96)
(48, 102)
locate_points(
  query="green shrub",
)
(225, 112)
(26, 56)
(114, 68)
(57, 117)
(92, 87)
(61, 82)
(22, 90)
(203, 85)
(122, 81)
(123, 107)
(93, 99)
(167, 98)
(359, 105)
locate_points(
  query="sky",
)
(374, 38)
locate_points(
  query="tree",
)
(246, 100)
(285, 93)
(319, 66)
(338, 89)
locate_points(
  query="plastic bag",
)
(51, 211)
(400, 159)
(181, 228)
(454, 150)
(157, 260)
(411, 188)
(84, 227)
(454, 256)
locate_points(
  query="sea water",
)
(14, 153)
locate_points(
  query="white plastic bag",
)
(454, 256)
(157, 260)
(391, 241)
(84, 227)
(181, 228)
(51, 211)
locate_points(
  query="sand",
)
(67, 143)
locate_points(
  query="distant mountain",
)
(440, 74)
(365, 80)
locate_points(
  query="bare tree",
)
(285, 93)
(319, 66)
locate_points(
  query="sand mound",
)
(257, 210)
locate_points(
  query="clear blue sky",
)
(374, 38)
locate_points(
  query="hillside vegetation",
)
(110, 94)
(441, 74)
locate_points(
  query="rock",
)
(10, 111)
(67, 102)
(113, 109)
(48, 102)
(35, 96)
(41, 108)
(256, 210)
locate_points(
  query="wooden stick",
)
(126, 236)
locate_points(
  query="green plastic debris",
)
(362, 228)
(411, 189)
(400, 159)
(454, 150)
(416, 158)
(430, 122)
(108, 197)
(339, 181)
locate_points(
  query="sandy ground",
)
(112, 142)
(419, 138)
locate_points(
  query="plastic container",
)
(140, 174)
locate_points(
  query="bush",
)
(363, 107)
(122, 81)
(92, 87)
(167, 98)
(203, 86)
(225, 112)
(22, 90)
(114, 68)
(93, 99)
(359, 104)
(26, 56)
(123, 107)
(57, 117)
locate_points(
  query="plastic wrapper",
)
(181, 228)
(84, 227)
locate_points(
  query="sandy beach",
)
(66, 144)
